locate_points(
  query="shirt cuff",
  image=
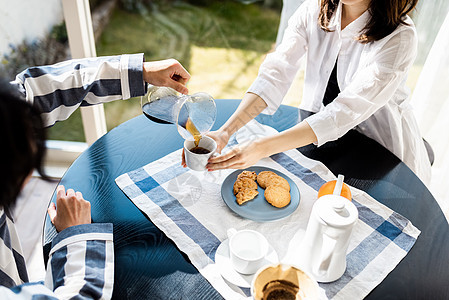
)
(268, 92)
(84, 232)
(324, 127)
(131, 75)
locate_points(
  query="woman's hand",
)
(220, 137)
(249, 108)
(167, 72)
(249, 153)
(70, 210)
(239, 157)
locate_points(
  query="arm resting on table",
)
(82, 262)
(81, 265)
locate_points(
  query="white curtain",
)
(288, 8)
(431, 103)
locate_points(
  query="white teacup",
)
(247, 250)
(196, 161)
(283, 281)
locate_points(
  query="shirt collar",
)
(351, 30)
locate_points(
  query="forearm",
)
(298, 136)
(249, 153)
(250, 107)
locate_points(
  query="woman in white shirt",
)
(368, 47)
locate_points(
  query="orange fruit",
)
(328, 189)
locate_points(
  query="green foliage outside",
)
(225, 39)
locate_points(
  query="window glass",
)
(221, 43)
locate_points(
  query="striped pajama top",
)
(81, 262)
(58, 90)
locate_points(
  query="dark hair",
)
(386, 15)
(22, 136)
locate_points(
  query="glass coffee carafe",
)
(194, 115)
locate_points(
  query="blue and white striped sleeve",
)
(81, 266)
(81, 263)
(58, 90)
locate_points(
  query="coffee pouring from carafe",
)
(194, 115)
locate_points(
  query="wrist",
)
(262, 146)
(145, 72)
(224, 133)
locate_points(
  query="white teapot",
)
(323, 249)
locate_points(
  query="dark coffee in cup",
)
(199, 150)
(280, 289)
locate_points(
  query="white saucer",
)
(223, 263)
(252, 131)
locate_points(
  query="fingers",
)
(239, 157)
(71, 209)
(227, 156)
(230, 160)
(167, 72)
(180, 78)
(179, 87)
(60, 191)
(233, 163)
(70, 193)
(52, 212)
(181, 75)
(236, 166)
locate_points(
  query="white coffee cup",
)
(247, 250)
(196, 161)
(284, 279)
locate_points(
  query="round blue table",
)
(149, 266)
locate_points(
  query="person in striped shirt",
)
(81, 262)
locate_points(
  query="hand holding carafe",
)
(194, 115)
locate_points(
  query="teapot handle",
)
(327, 250)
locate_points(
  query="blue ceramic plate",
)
(258, 209)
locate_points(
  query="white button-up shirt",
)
(373, 99)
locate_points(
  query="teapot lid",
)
(336, 210)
